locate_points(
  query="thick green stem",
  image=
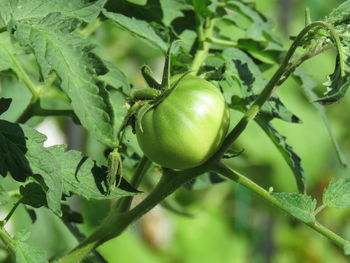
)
(22, 74)
(204, 46)
(141, 170)
(116, 222)
(7, 240)
(242, 180)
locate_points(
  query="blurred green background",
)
(228, 223)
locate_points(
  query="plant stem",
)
(7, 240)
(141, 170)
(22, 74)
(221, 42)
(265, 94)
(7, 218)
(35, 109)
(242, 180)
(116, 222)
(204, 46)
(319, 209)
(90, 28)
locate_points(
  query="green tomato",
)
(187, 127)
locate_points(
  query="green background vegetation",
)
(229, 223)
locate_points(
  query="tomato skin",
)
(187, 127)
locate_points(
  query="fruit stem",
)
(144, 164)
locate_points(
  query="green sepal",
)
(144, 94)
(141, 113)
(148, 77)
(128, 119)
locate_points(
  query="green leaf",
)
(299, 205)
(337, 194)
(256, 34)
(203, 8)
(6, 52)
(292, 159)
(25, 253)
(338, 82)
(173, 9)
(20, 95)
(53, 169)
(242, 68)
(12, 151)
(4, 197)
(115, 77)
(22, 154)
(81, 176)
(4, 104)
(33, 195)
(67, 55)
(86, 11)
(308, 85)
(44, 163)
(339, 14)
(138, 28)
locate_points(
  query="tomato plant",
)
(79, 64)
(187, 127)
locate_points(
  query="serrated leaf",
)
(20, 95)
(115, 78)
(259, 38)
(66, 54)
(22, 154)
(12, 151)
(252, 82)
(83, 177)
(86, 11)
(33, 195)
(340, 13)
(337, 84)
(25, 253)
(299, 205)
(138, 28)
(173, 9)
(42, 162)
(4, 104)
(6, 52)
(337, 194)
(292, 159)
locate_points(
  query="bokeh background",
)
(227, 223)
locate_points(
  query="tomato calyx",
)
(146, 99)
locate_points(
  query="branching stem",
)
(171, 180)
(243, 180)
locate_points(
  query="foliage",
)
(52, 63)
